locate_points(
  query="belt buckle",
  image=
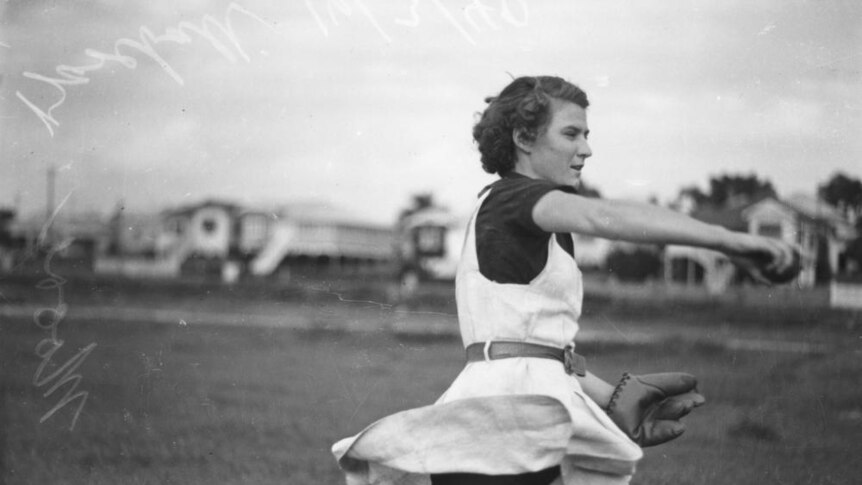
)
(574, 363)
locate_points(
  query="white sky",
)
(365, 108)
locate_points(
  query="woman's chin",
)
(574, 182)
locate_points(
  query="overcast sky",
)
(364, 102)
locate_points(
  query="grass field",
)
(189, 403)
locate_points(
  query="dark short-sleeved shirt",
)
(510, 246)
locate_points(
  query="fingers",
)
(676, 407)
(770, 261)
(794, 258)
(777, 255)
(669, 383)
(786, 266)
(660, 432)
(663, 424)
(783, 255)
(751, 267)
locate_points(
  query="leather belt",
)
(574, 363)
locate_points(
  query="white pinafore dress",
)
(506, 416)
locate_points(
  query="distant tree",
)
(418, 202)
(729, 190)
(639, 264)
(693, 193)
(843, 192)
(6, 217)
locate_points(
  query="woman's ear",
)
(522, 139)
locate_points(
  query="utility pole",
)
(49, 203)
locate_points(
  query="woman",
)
(515, 415)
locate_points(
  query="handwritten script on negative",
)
(467, 20)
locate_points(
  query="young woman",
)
(523, 411)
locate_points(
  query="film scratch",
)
(50, 375)
(77, 75)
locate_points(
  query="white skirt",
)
(503, 417)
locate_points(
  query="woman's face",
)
(559, 152)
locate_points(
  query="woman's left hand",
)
(648, 408)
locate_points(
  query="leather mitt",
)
(648, 408)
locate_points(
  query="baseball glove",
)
(648, 408)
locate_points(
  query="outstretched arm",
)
(558, 211)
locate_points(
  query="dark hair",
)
(525, 104)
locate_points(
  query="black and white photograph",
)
(430, 242)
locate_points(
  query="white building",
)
(815, 227)
(312, 234)
(221, 237)
(429, 243)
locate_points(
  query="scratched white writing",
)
(49, 318)
(475, 15)
(208, 29)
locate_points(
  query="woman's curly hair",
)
(525, 104)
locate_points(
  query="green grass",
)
(198, 404)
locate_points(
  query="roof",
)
(812, 211)
(191, 208)
(315, 212)
(807, 208)
(813, 208)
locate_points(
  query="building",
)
(222, 239)
(194, 238)
(72, 240)
(133, 234)
(690, 266)
(820, 232)
(206, 230)
(428, 245)
(312, 237)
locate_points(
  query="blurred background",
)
(228, 230)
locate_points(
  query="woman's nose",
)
(584, 150)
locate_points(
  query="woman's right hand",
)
(766, 259)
